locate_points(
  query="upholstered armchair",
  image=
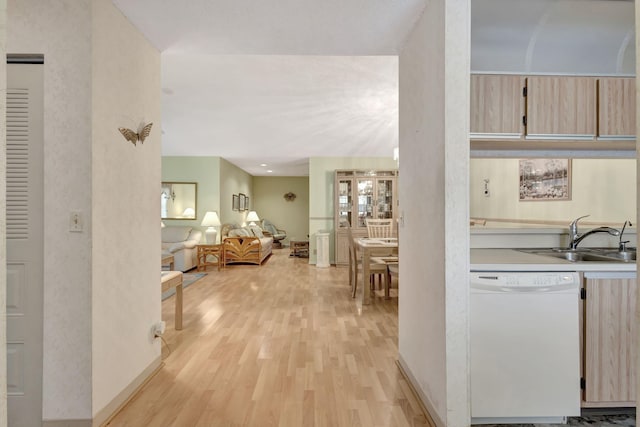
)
(271, 230)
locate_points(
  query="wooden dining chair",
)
(355, 264)
(379, 227)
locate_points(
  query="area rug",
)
(187, 279)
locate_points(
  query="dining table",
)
(368, 247)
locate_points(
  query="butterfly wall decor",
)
(134, 137)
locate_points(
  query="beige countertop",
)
(514, 260)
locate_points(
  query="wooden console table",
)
(214, 250)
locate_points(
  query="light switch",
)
(75, 222)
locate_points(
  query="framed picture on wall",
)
(243, 199)
(235, 202)
(246, 203)
(545, 179)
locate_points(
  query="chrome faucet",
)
(622, 244)
(576, 238)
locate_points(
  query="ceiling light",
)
(263, 164)
(269, 171)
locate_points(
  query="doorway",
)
(24, 239)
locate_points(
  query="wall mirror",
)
(178, 200)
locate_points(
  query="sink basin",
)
(586, 254)
(622, 255)
(578, 256)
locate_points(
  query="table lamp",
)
(189, 213)
(252, 217)
(211, 221)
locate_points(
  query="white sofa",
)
(181, 241)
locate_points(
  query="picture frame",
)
(235, 202)
(179, 200)
(246, 203)
(544, 179)
(242, 204)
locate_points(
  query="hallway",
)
(282, 344)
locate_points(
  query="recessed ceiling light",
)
(263, 164)
(269, 171)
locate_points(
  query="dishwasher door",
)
(524, 347)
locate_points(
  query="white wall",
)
(3, 203)
(85, 153)
(321, 193)
(61, 30)
(433, 300)
(125, 205)
(602, 188)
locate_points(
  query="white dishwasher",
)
(524, 347)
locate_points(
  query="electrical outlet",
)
(75, 222)
(159, 328)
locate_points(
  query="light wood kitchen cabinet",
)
(616, 108)
(609, 352)
(359, 195)
(497, 106)
(561, 107)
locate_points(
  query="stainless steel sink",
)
(623, 255)
(586, 254)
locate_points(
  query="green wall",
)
(312, 211)
(233, 180)
(203, 170)
(601, 188)
(269, 203)
(321, 183)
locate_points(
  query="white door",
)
(24, 243)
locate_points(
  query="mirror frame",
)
(195, 201)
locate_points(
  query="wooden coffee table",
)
(173, 279)
(299, 248)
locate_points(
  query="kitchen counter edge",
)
(514, 260)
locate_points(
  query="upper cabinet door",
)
(497, 106)
(617, 108)
(560, 107)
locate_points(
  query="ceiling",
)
(278, 81)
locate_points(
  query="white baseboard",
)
(66, 423)
(426, 403)
(105, 415)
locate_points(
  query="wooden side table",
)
(206, 250)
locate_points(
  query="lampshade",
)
(252, 216)
(162, 224)
(189, 213)
(210, 220)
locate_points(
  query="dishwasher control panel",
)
(526, 279)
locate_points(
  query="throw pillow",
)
(256, 231)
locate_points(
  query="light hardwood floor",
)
(283, 344)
